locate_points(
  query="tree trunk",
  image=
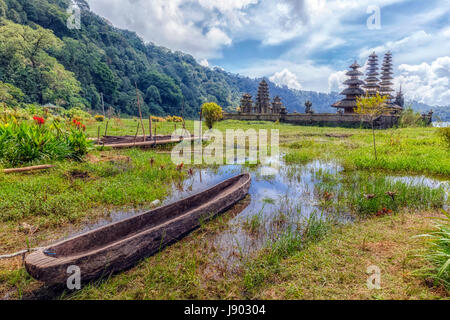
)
(374, 144)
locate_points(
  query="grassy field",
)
(37, 208)
(410, 150)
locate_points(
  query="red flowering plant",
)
(78, 125)
(40, 121)
(383, 212)
(23, 142)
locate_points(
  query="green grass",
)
(72, 193)
(438, 253)
(409, 150)
(75, 191)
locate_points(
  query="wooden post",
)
(150, 124)
(139, 108)
(106, 129)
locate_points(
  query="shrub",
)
(174, 119)
(76, 113)
(99, 118)
(211, 113)
(410, 118)
(158, 119)
(445, 134)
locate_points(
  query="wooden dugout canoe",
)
(120, 245)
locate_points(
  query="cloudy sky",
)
(304, 44)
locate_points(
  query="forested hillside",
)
(43, 61)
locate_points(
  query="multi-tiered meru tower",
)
(386, 77)
(372, 86)
(263, 99)
(353, 91)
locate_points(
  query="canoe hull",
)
(126, 252)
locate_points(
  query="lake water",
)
(441, 124)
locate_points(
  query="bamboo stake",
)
(135, 136)
(103, 105)
(140, 112)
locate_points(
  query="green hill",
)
(51, 63)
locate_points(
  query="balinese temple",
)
(277, 106)
(263, 104)
(353, 91)
(263, 99)
(247, 103)
(386, 77)
(371, 85)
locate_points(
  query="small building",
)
(277, 106)
(247, 103)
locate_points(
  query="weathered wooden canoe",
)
(120, 245)
(122, 142)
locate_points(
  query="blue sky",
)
(304, 44)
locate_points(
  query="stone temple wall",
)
(319, 119)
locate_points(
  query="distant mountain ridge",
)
(109, 62)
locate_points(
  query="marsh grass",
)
(438, 253)
(268, 263)
(366, 194)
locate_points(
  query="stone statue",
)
(308, 107)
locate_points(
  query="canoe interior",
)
(116, 231)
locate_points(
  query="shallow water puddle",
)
(276, 204)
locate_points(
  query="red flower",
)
(39, 120)
(78, 124)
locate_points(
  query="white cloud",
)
(310, 76)
(192, 26)
(204, 63)
(286, 78)
(336, 81)
(426, 83)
